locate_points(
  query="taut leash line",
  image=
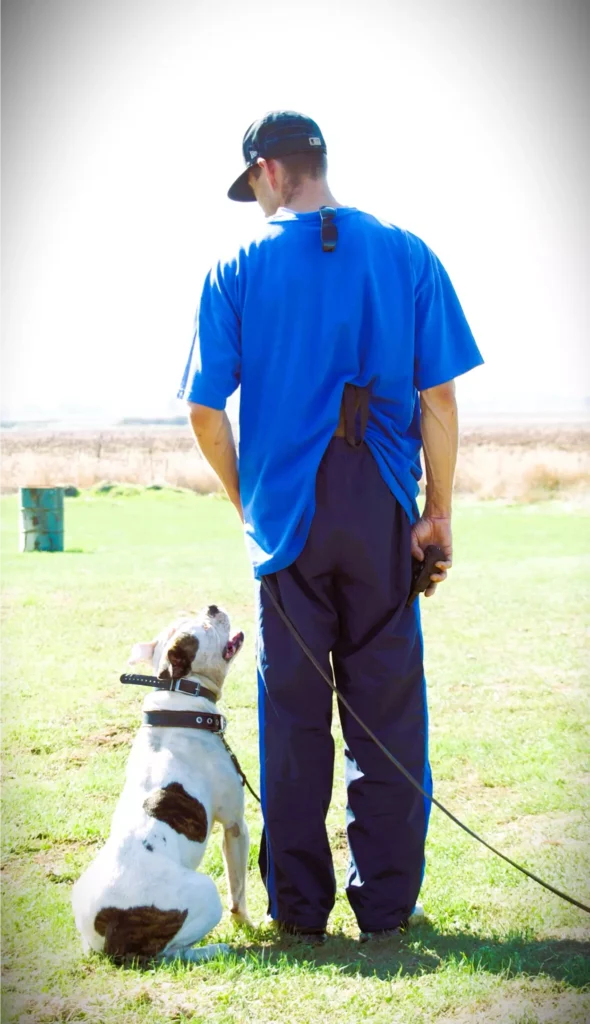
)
(239, 768)
(306, 650)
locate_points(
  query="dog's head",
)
(192, 645)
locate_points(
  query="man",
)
(345, 335)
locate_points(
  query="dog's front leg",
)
(236, 843)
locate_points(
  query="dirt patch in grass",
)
(465, 786)
(338, 840)
(45, 1009)
(173, 1001)
(521, 1008)
(52, 860)
(107, 739)
(113, 736)
(549, 829)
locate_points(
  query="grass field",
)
(507, 661)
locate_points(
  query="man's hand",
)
(433, 530)
(440, 437)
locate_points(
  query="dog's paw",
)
(240, 917)
(199, 955)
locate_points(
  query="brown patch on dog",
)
(234, 830)
(137, 931)
(179, 658)
(183, 812)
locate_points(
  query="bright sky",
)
(461, 120)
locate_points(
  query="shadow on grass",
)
(426, 950)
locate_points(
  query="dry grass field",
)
(520, 463)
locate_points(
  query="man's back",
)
(293, 324)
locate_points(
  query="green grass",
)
(506, 655)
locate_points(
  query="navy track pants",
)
(342, 594)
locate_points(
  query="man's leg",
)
(296, 747)
(378, 666)
(387, 818)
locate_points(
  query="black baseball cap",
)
(279, 133)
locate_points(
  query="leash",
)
(309, 654)
(238, 768)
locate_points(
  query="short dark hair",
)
(298, 167)
(303, 165)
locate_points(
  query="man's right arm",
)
(440, 435)
(444, 348)
(212, 374)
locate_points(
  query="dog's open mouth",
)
(232, 646)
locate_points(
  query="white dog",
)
(142, 896)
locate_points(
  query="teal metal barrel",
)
(41, 519)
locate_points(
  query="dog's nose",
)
(212, 610)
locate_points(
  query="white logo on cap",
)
(314, 141)
(253, 153)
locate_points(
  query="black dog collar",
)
(185, 720)
(188, 686)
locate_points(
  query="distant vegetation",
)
(515, 463)
(138, 421)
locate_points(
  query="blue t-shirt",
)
(292, 325)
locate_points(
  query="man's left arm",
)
(215, 439)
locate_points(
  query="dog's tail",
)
(141, 932)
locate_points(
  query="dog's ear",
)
(179, 658)
(146, 650)
(142, 652)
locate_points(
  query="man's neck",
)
(311, 197)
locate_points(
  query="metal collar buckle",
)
(175, 687)
(185, 686)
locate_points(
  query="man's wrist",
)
(436, 512)
(437, 506)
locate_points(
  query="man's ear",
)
(142, 652)
(273, 173)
